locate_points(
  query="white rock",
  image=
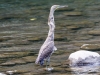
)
(2, 74)
(82, 56)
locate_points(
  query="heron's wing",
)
(45, 51)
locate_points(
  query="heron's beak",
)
(62, 6)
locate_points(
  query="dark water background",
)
(23, 29)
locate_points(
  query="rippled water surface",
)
(23, 29)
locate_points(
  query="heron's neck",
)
(51, 33)
(51, 12)
(50, 37)
(51, 18)
(51, 24)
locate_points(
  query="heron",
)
(48, 46)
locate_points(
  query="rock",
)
(4, 45)
(78, 44)
(2, 74)
(14, 72)
(4, 56)
(93, 8)
(75, 24)
(54, 64)
(57, 69)
(13, 62)
(13, 55)
(28, 74)
(11, 72)
(19, 61)
(73, 27)
(66, 63)
(4, 39)
(83, 23)
(20, 42)
(90, 47)
(9, 63)
(60, 38)
(19, 54)
(60, 52)
(35, 39)
(94, 32)
(29, 59)
(83, 37)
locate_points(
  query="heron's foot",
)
(49, 69)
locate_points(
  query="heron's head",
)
(54, 7)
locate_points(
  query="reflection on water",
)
(87, 70)
(23, 29)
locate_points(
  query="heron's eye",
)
(52, 18)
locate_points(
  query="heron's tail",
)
(37, 61)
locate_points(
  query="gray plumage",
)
(48, 46)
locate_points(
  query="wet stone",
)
(11, 72)
(94, 8)
(57, 69)
(60, 52)
(9, 63)
(4, 39)
(2, 61)
(3, 56)
(56, 64)
(78, 43)
(44, 71)
(82, 23)
(14, 72)
(13, 54)
(20, 54)
(73, 27)
(2, 74)
(94, 32)
(29, 59)
(3, 45)
(90, 47)
(19, 61)
(60, 38)
(65, 64)
(20, 42)
(5, 17)
(83, 37)
(28, 74)
(35, 39)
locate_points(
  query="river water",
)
(23, 29)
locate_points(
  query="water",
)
(23, 29)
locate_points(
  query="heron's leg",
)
(48, 64)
